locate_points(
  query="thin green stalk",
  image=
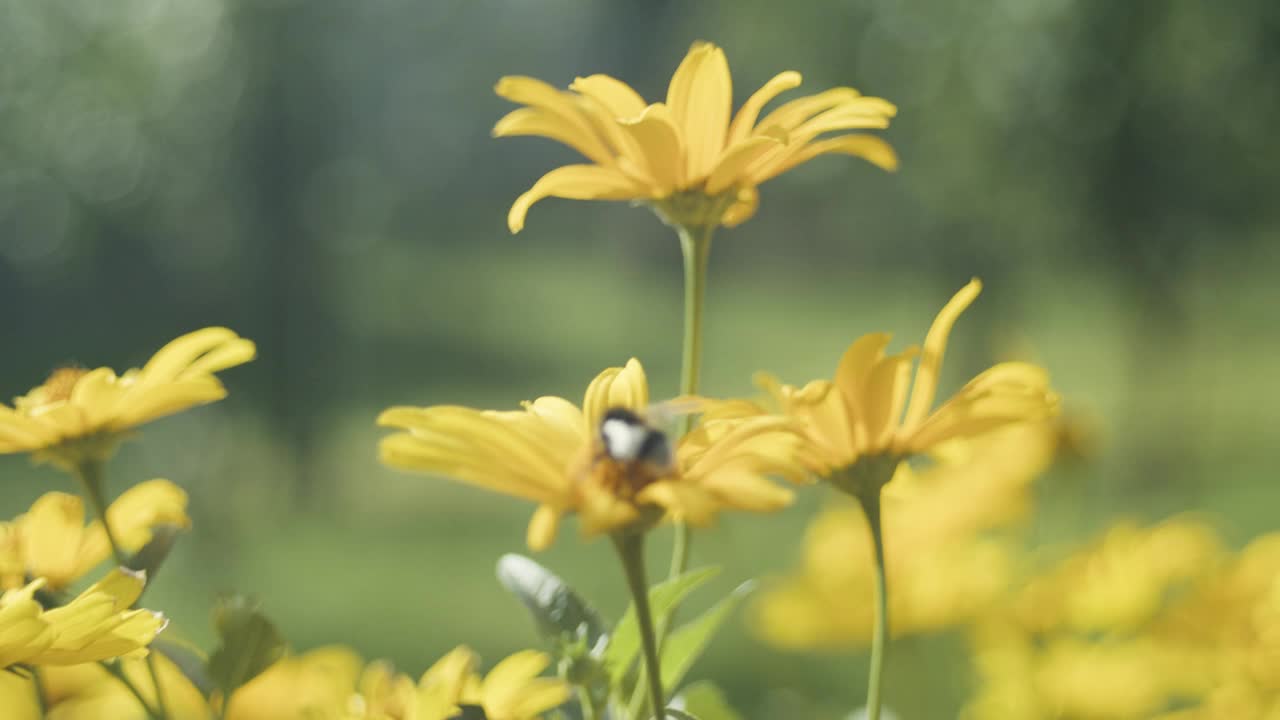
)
(116, 672)
(42, 705)
(871, 507)
(695, 246)
(90, 474)
(587, 703)
(630, 546)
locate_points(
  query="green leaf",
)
(555, 607)
(686, 644)
(189, 660)
(151, 556)
(680, 714)
(705, 701)
(248, 644)
(624, 644)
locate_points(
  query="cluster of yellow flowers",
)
(85, 657)
(1146, 622)
(1143, 622)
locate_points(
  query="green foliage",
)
(556, 608)
(248, 643)
(189, 660)
(624, 643)
(151, 556)
(684, 646)
(705, 701)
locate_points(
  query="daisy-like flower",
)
(863, 416)
(689, 157)
(96, 625)
(80, 414)
(512, 690)
(52, 542)
(946, 563)
(553, 453)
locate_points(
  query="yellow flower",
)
(943, 563)
(512, 690)
(52, 542)
(316, 685)
(552, 453)
(96, 625)
(1105, 633)
(80, 414)
(686, 156)
(864, 412)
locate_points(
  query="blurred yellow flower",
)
(50, 541)
(316, 685)
(1105, 633)
(96, 625)
(944, 565)
(512, 690)
(864, 412)
(79, 414)
(554, 453)
(687, 156)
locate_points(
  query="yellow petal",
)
(868, 147)
(744, 121)
(574, 182)
(230, 354)
(742, 210)
(852, 373)
(144, 506)
(748, 491)
(542, 527)
(621, 100)
(700, 97)
(731, 169)
(624, 387)
(122, 585)
(149, 402)
(935, 345)
(181, 353)
(542, 123)
(538, 696)
(561, 105)
(53, 531)
(884, 396)
(504, 682)
(683, 501)
(789, 115)
(655, 133)
(97, 393)
(452, 670)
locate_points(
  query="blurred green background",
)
(319, 176)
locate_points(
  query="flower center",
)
(60, 384)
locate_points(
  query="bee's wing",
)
(668, 410)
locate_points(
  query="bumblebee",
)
(629, 440)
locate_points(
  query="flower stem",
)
(114, 670)
(91, 473)
(37, 686)
(695, 246)
(871, 507)
(587, 703)
(630, 546)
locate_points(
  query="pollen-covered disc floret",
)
(79, 414)
(612, 474)
(690, 157)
